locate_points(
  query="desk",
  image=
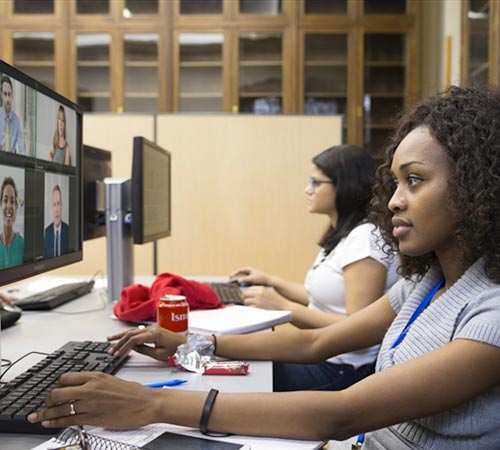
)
(46, 331)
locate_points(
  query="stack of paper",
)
(235, 319)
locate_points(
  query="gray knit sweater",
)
(470, 309)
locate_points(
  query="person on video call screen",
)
(11, 134)
(57, 233)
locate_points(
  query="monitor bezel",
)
(31, 268)
(137, 188)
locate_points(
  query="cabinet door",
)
(385, 90)
(141, 87)
(199, 79)
(93, 71)
(325, 73)
(475, 69)
(260, 73)
(34, 54)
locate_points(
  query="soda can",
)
(173, 312)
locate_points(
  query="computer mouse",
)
(240, 284)
(12, 308)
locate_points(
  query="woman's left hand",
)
(264, 297)
(95, 398)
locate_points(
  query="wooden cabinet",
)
(357, 58)
(480, 42)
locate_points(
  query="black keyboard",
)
(228, 292)
(26, 393)
(51, 298)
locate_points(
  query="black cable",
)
(6, 362)
(21, 358)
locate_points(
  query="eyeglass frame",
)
(314, 183)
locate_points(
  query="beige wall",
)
(440, 19)
(237, 190)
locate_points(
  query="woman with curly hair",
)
(437, 384)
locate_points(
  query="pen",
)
(167, 383)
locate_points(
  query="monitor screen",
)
(151, 196)
(96, 167)
(40, 177)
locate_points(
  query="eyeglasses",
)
(315, 183)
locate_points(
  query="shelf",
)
(326, 94)
(94, 94)
(260, 94)
(384, 94)
(93, 64)
(140, 64)
(200, 95)
(325, 63)
(195, 64)
(262, 63)
(26, 63)
(141, 95)
(475, 71)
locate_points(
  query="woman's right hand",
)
(5, 300)
(153, 341)
(251, 275)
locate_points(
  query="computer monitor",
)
(40, 177)
(96, 167)
(151, 195)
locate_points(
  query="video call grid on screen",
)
(40, 176)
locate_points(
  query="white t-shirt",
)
(324, 281)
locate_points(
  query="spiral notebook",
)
(169, 437)
(71, 439)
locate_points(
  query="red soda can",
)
(173, 312)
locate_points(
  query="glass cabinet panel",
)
(200, 72)
(201, 6)
(92, 6)
(33, 6)
(325, 74)
(142, 6)
(325, 6)
(141, 72)
(478, 22)
(385, 6)
(260, 73)
(93, 61)
(384, 86)
(264, 7)
(34, 54)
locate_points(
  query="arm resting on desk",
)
(435, 382)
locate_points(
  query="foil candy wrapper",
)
(195, 353)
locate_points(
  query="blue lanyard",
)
(423, 304)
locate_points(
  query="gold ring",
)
(72, 410)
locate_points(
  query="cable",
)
(6, 362)
(21, 358)
(102, 296)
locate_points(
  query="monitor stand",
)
(119, 238)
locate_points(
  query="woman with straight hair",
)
(340, 188)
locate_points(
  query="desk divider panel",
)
(237, 190)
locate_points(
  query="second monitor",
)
(151, 188)
(137, 211)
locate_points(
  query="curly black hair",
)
(466, 123)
